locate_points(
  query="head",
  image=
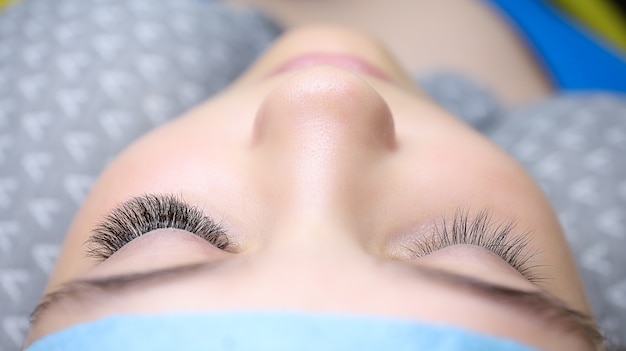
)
(323, 181)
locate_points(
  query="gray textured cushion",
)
(80, 79)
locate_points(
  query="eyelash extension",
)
(146, 213)
(482, 231)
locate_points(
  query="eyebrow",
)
(536, 304)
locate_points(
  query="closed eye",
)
(143, 214)
(483, 231)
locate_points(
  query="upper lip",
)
(345, 61)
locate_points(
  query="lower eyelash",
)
(480, 230)
(143, 214)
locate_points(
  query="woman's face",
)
(321, 181)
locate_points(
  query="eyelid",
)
(143, 214)
(478, 262)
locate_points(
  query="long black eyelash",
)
(480, 230)
(146, 213)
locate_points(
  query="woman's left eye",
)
(146, 213)
(480, 230)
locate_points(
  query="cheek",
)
(459, 173)
(203, 175)
(464, 173)
(189, 157)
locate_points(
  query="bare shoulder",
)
(461, 35)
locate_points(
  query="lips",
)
(347, 62)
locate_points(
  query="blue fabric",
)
(574, 59)
(266, 331)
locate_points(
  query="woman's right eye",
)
(149, 212)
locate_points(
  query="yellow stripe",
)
(599, 15)
(5, 3)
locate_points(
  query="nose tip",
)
(325, 109)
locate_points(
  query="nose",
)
(317, 139)
(318, 132)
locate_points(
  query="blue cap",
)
(276, 331)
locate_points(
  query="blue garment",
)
(248, 331)
(574, 59)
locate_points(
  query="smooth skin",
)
(321, 174)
